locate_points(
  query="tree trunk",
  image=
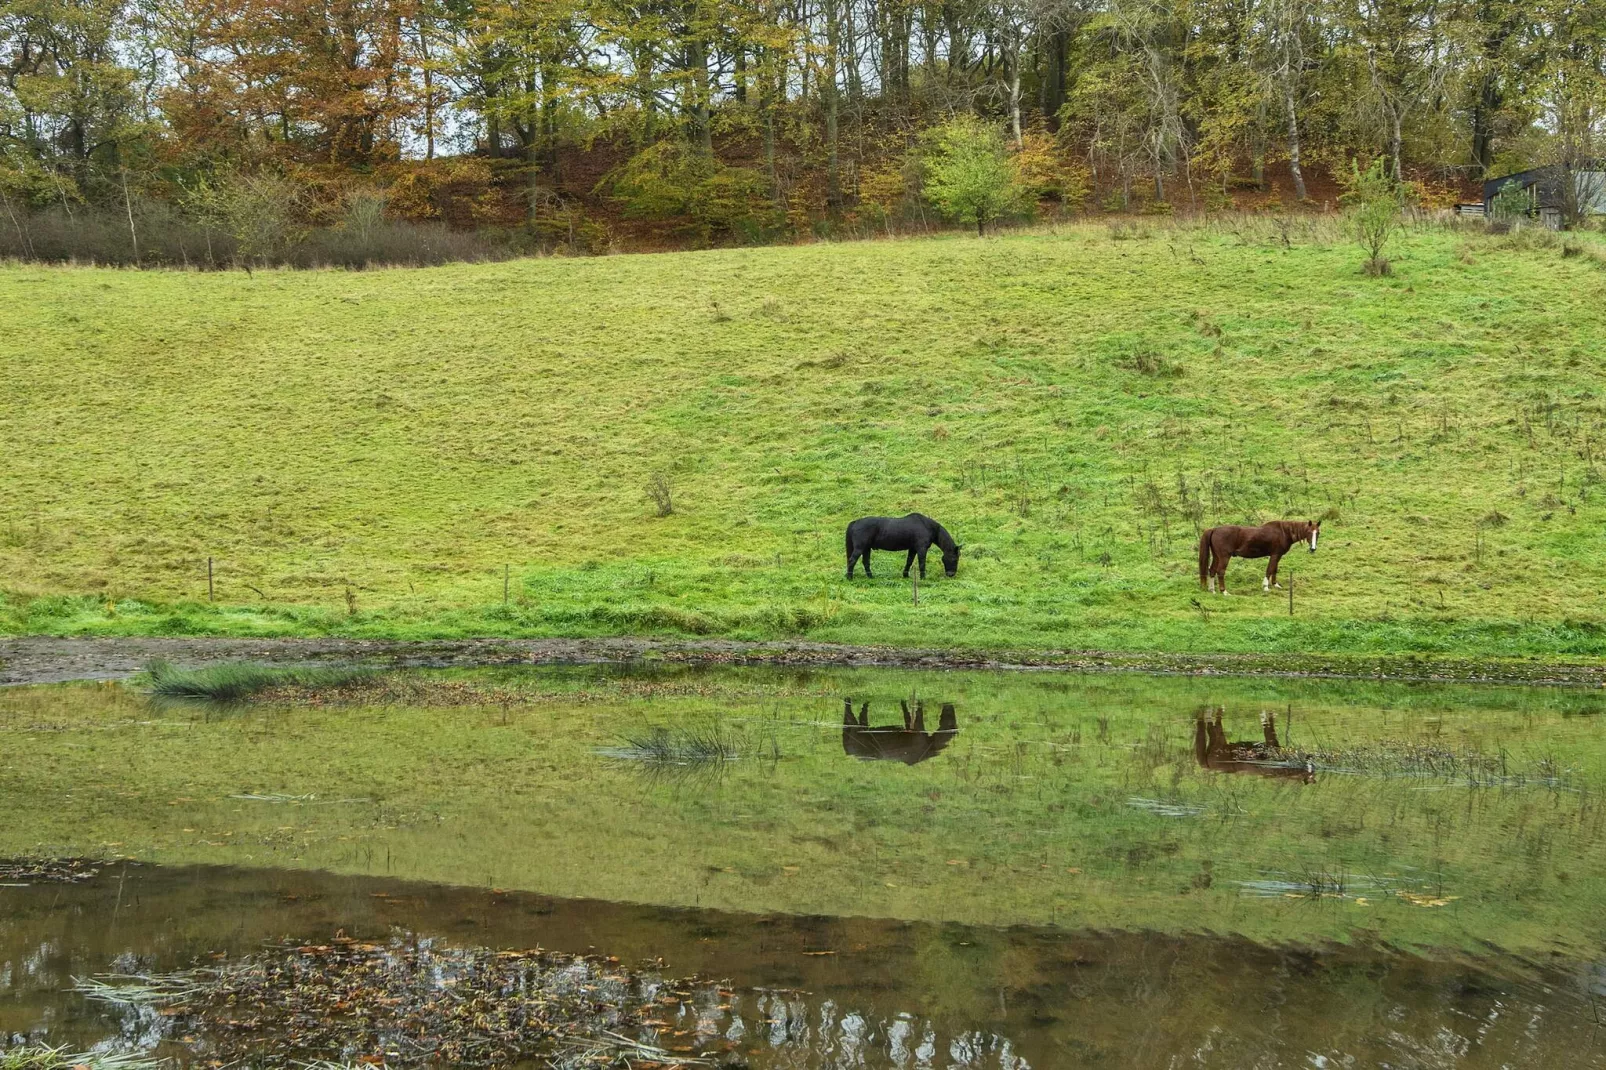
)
(1014, 94)
(1053, 83)
(828, 95)
(1483, 114)
(701, 106)
(1293, 146)
(1396, 139)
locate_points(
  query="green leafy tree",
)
(969, 174)
(1373, 200)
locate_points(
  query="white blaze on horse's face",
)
(1314, 531)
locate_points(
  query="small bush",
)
(1373, 201)
(673, 180)
(1509, 204)
(661, 492)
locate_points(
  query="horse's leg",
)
(865, 560)
(923, 550)
(1221, 573)
(1271, 573)
(907, 565)
(853, 557)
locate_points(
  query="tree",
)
(969, 175)
(1372, 200)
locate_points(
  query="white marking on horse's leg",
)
(1265, 583)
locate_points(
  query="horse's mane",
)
(1299, 529)
(944, 540)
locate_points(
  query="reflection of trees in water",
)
(907, 743)
(827, 1036)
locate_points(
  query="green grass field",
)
(364, 453)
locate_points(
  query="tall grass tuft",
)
(680, 746)
(234, 681)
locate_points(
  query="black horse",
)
(914, 533)
(908, 744)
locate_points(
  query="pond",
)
(880, 868)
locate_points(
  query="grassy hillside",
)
(364, 453)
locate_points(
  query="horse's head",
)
(1315, 530)
(950, 561)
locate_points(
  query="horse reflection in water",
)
(908, 744)
(1212, 750)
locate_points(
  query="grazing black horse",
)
(914, 533)
(909, 743)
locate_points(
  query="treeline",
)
(220, 130)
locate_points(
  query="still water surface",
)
(890, 868)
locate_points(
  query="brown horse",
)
(1218, 545)
(908, 744)
(1212, 751)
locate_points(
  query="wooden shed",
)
(1546, 188)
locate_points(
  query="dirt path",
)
(39, 660)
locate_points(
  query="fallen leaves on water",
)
(416, 1002)
(1418, 899)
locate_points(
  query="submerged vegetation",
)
(43, 1057)
(411, 1002)
(357, 457)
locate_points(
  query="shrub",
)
(969, 174)
(673, 180)
(1046, 175)
(1373, 200)
(1509, 204)
(661, 492)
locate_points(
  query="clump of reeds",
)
(698, 745)
(234, 681)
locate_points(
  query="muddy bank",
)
(38, 660)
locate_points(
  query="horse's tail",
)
(1204, 556)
